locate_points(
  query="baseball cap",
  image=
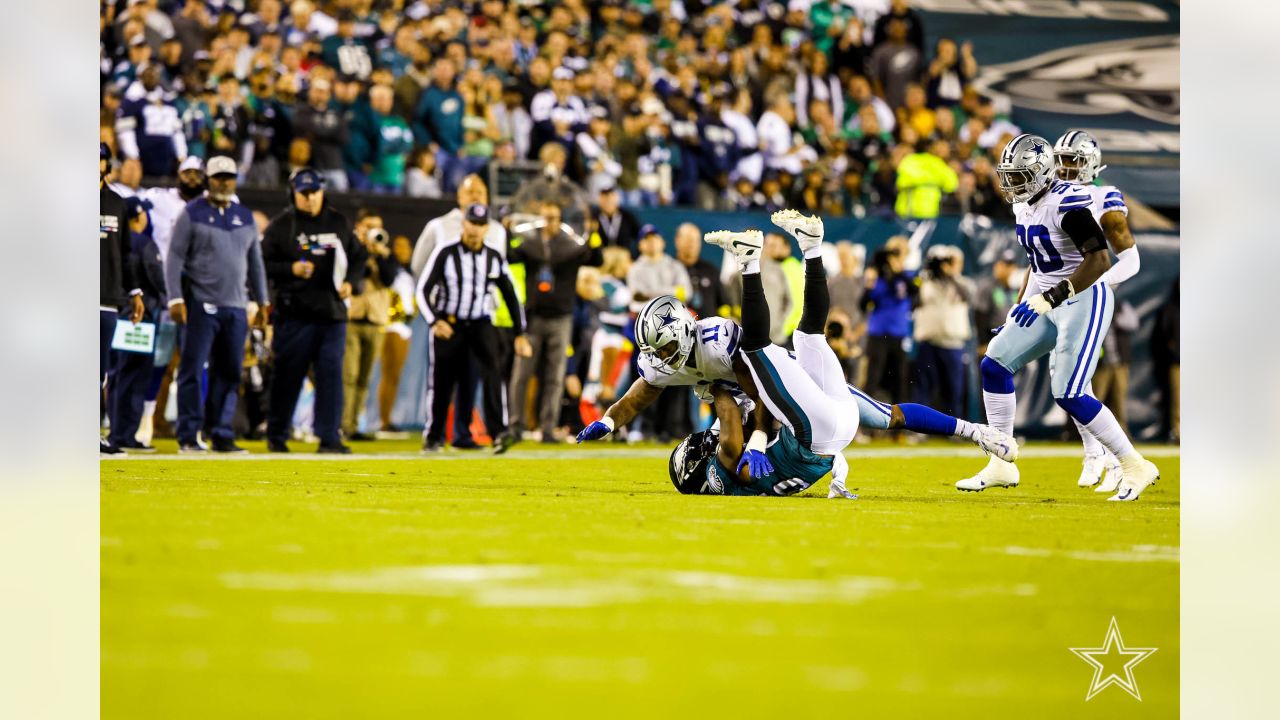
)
(191, 163)
(220, 165)
(477, 214)
(137, 40)
(304, 180)
(562, 73)
(648, 229)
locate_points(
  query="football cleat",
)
(806, 229)
(996, 443)
(997, 473)
(1091, 473)
(745, 245)
(837, 489)
(1138, 477)
(1113, 476)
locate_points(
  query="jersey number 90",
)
(1045, 262)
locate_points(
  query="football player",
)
(804, 390)
(1064, 309)
(1079, 159)
(677, 350)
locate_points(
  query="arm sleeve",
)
(430, 276)
(507, 286)
(278, 266)
(257, 274)
(387, 270)
(1083, 230)
(175, 262)
(1125, 267)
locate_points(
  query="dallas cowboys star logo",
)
(1037, 148)
(1129, 657)
(667, 319)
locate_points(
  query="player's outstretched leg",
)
(1000, 403)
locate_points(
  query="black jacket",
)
(551, 272)
(623, 230)
(293, 236)
(117, 269)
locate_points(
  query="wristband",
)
(1059, 293)
(758, 440)
(607, 422)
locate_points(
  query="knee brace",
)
(1083, 408)
(995, 378)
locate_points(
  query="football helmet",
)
(1026, 167)
(689, 464)
(665, 330)
(1078, 156)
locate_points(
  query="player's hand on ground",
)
(1023, 314)
(442, 330)
(757, 463)
(594, 431)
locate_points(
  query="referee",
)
(453, 296)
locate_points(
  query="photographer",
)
(368, 315)
(942, 330)
(891, 293)
(314, 265)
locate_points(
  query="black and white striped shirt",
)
(456, 284)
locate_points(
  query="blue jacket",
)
(217, 253)
(891, 301)
(438, 119)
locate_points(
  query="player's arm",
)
(1116, 227)
(729, 451)
(753, 457)
(638, 397)
(1087, 236)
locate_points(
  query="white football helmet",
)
(1079, 157)
(665, 330)
(1026, 167)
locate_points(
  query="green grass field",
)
(574, 582)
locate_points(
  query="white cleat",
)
(837, 489)
(997, 473)
(1091, 473)
(806, 229)
(1114, 475)
(996, 443)
(745, 245)
(1136, 480)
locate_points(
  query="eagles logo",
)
(1137, 75)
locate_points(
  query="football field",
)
(576, 582)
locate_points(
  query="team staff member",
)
(132, 371)
(116, 285)
(314, 263)
(454, 299)
(213, 256)
(445, 229)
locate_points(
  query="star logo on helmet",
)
(667, 319)
(1037, 148)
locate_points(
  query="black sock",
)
(755, 313)
(817, 301)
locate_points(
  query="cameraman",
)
(942, 329)
(891, 293)
(368, 315)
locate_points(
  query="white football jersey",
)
(1050, 251)
(1107, 198)
(710, 361)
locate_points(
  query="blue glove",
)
(996, 331)
(1023, 315)
(594, 431)
(757, 462)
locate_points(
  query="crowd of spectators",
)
(832, 107)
